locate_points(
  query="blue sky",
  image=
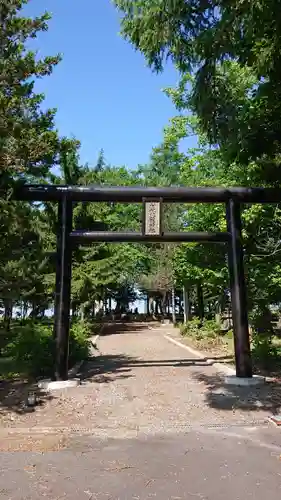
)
(105, 94)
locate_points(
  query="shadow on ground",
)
(117, 327)
(107, 368)
(16, 395)
(220, 396)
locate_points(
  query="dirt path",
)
(140, 383)
(150, 384)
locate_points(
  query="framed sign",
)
(152, 220)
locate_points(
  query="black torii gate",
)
(152, 199)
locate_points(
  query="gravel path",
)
(140, 383)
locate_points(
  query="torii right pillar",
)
(238, 291)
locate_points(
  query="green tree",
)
(101, 163)
(29, 143)
(29, 147)
(232, 49)
(104, 271)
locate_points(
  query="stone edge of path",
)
(228, 371)
(109, 431)
(73, 380)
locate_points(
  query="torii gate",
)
(152, 199)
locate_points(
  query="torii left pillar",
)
(63, 289)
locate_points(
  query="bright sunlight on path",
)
(138, 383)
(149, 385)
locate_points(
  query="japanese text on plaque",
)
(152, 217)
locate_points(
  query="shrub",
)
(210, 328)
(191, 328)
(79, 343)
(229, 334)
(32, 349)
(198, 329)
(263, 351)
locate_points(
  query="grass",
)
(219, 345)
(266, 351)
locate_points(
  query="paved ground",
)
(149, 421)
(206, 465)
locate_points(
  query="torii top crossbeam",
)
(135, 194)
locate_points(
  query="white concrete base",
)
(225, 369)
(244, 382)
(54, 385)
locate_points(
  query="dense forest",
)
(228, 96)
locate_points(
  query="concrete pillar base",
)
(54, 385)
(254, 381)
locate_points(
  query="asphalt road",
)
(203, 463)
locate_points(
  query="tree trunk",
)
(93, 311)
(82, 312)
(173, 306)
(74, 309)
(186, 304)
(8, 313)
(200, 301)
(150, 306)
(25, 309)
(163, 305)
(218, 311)
(146, 305)
(157, 306)
(161, 308)
(166, 303)
(104, 304)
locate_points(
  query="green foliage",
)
(229, 334)
(100, 269)
(211, 327)
(29, 143)
(81, 329)
(32, 348)
(79, 344)
(199, 329)
(29, 147)
(192, 328)
(263, 350)
(233, 50)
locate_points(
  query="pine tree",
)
(29, 144)
(29, 147)
(100, 162)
